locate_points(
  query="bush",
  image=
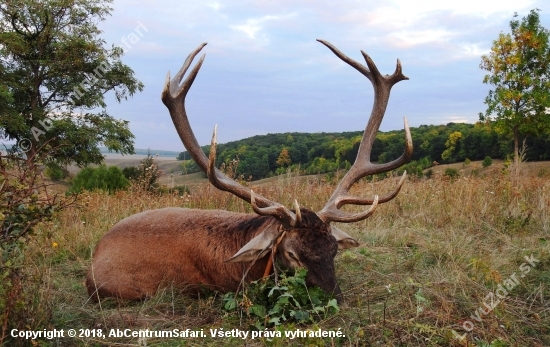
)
(467, 161)
(147, 174)
(451, 173)
(415, 168)
(55, 172)
(429, 173)
(181, 190)
(105, 178)
(131, 172)
(487, 161)
(177, 190)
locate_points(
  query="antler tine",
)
(222, 182)
(355, 200)
(347, 59)
(363, 166)
(278, 211)
(344, 217)
(173, 96)
(179, 75)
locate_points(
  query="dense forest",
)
(267, 155)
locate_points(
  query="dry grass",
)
(426, 262)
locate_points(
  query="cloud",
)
(216, 6)
(416, 37)
(252, 26)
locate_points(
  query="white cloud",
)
(253, 25)
(415, 37)
(214, 5)
(471, 50)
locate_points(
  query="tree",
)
(451, 145)
(55, 72)
(518, 67)
(284, 158)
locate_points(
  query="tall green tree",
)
(55, 71)
(518, 67)
(450, 145)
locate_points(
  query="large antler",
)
(173, 96)
(363, 166)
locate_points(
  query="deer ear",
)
(344, 240)
(256, 248)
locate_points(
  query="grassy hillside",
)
(427, 265)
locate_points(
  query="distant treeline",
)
(142, 151)
(267, 155)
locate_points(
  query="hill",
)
(268, 155)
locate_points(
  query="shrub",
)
(178, 190)
(415, 168)
(467, 161)
(487, 161)
(450, 172)
(55, 172)
(105, 178)
(148, 174)
(131, 172)
(429, 173)
(181, 190)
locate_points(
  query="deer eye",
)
(292, 256)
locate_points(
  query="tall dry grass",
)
(427, 261)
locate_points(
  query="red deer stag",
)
(191, 249)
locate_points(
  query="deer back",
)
(184, 247)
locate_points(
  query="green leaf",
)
(332, 303)
(300, 315)
(257, 310)
(275, 320)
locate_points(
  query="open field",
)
(433, 265)
(173, 176)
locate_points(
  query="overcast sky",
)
(265, 73)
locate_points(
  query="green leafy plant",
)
(131, 172)
(487, 161)
(55, 171)
(106, 178)
(269, 303)
(429, 173)
(451, 173)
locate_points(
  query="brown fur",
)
(183, 247)
(188, 248)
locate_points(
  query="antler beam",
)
(363, 166)
(173, 96)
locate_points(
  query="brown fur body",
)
(183, 247)
(188, 248)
